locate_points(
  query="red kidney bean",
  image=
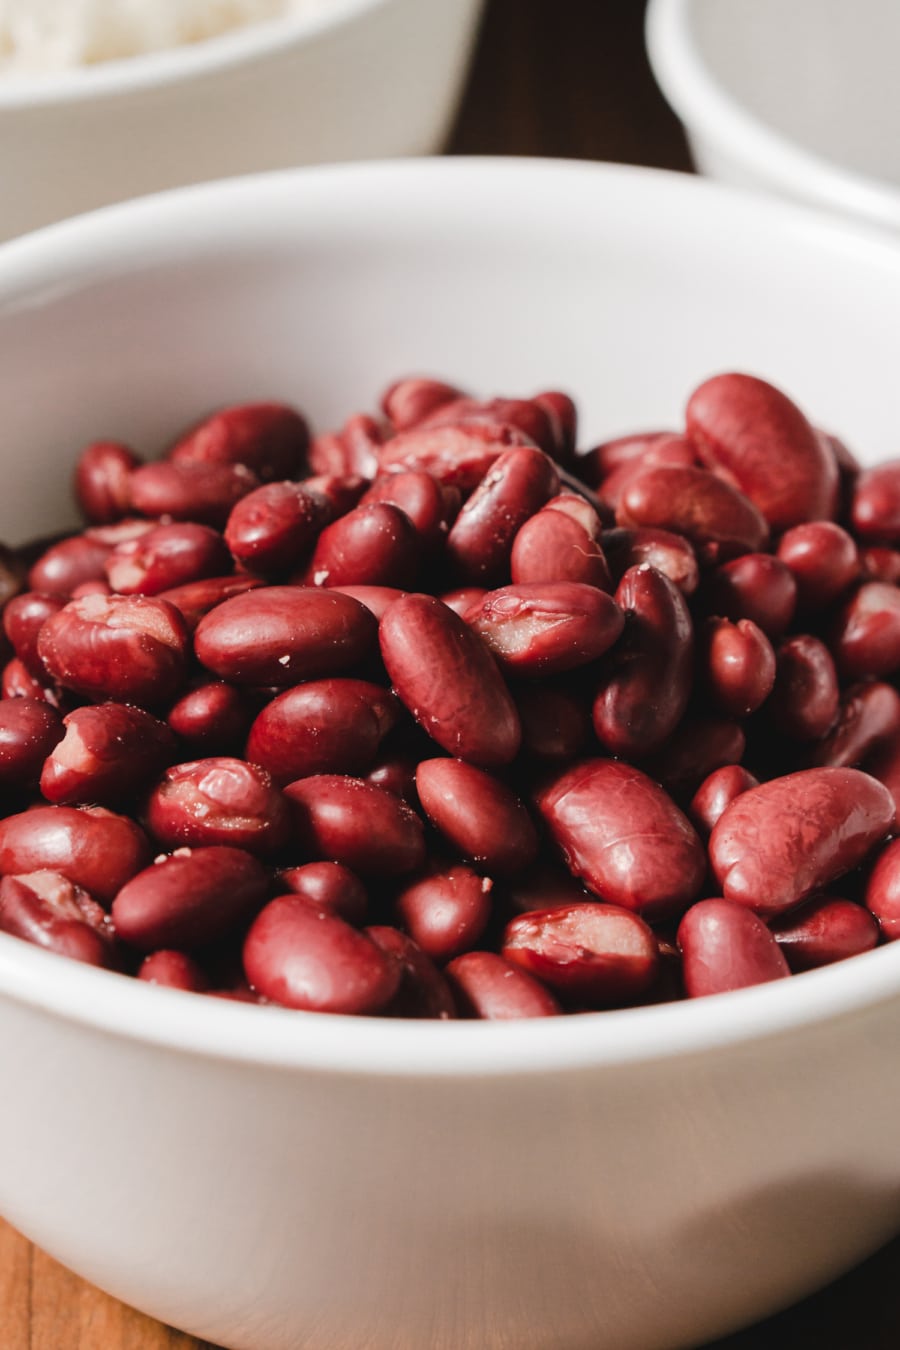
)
(756, 587)
(562, 415)
(480, 543)
(350, 821)
(668, 553)
(280, 635)
(824, 930)
(18, 682)
(717, 519)
(325, 726)
(196, 490)
(697, 746)
(219, 800)
(883, 891)
(665, 452)
(108, 752)
(459, 455)
(23, 618)
(869, 715)
(520, 414)
(420, 497)
(174, 970)
(195, 897)
(91, 847)
(554, 547)
(779, 842)
(395, 773)
(489, 987)
(875, 507)
(754, 433)
(463, 599)
(341, 492)
(127, 648)
(603, 459)
(375, 598)
(739, 666)
(269, 438)
(119, 532)
(546, 886)
(623, 836)
(444, 673)
(805, 699)
(639, 704)
(166, 557)
(556, 722)
(575, 500)
(274, 529)
(373, 545)
(598, 954)
(12, 574)
(46, 909)
(29, 729)
(883, 763)
(824, 562)
(303, 957)
(197, 598)
(446, 911)
(880, 564)
(423, 990)
(330, 886)
(724, 947)
(211, 717)
(406, 402)
(483, 820)
(68, 564)
(866, 636)
(718, 790)
(101, 481)
(546, 628)
(352, 450)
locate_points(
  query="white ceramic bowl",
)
(632, 1180)
(360, 79)
(800, 97)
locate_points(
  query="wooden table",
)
(559, 78)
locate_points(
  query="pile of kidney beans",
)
(435, 716)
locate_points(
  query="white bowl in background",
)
(632, 1180)
(799, 97)
(359, 79)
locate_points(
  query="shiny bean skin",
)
(129, 648)
(302, 957)
(824, 562)
(373, 545)
(562, 414)
(598, 954)
(444, 673)
(192, 898)
(197, 490)
(717, 791)
(18, 682)
(351, 451)
(197, 598)
(166, 557)
(869, 716)
(556, 722)
(446, 911)
(479, 545)
(669, 553)
(748, 429)
(101, 481)
(47, 910)
(280, 635)
(824, 930)
(420, 497)
(211, 718)
(274, 529)
(375, 598)
(395, 773)
(29, 729)
(739, 666)
(68, 564)
(324, 726)
(330, 886)
(756, 587)
(880, 564)
(779, 842)
(423, 990)
(349, 821)
(717, 519)
(479, 816)
(490, 988)
(644, 697)
(546, 628)
(23, 618)
(340, 492)
(457, 455)
(883, 763)
(269, 438)
(724, 947)
(524, 415)
(174, 970)
(108, 753)
(699, 745)
(90, 846)
(623, 837)
(597, 463)
(805, 699)
(554, 547)
(883, 891)
(219, 800)
(463, 599)
(875, 508)
(866, 636)
(405, 403)
(666, 452)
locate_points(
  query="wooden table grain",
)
(557, 78)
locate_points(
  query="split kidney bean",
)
(165, 557)
(269, 438)
(869, 716)
(423, 990)
(739, 666)
(668, 553)
(46, 909)
(219, 800)
(274, 529)
(350, 821)
(174, 970)
(107, 753)
(69, 564)
(717, 519)
(866, 637)
(198, 490)
(373, 545)
(324, 726)
(29, 729)
(779, 842)
(90, 846)
(824, 562)
(408, 402)
(554, 546)
(23, 618)
(446, 911)
(746, 428)
(875, 508)
(101, 481)
(491, 988)
(824, 930)
(546, 628)
(480, 543)
(211, 717)
(480, 817)
(458, 455)
(330, 886)
(756, 587)
(303, 957)
(195, 897)
(725, 946)
(717, 791)
(883, 891)
(444, 673)
(280, 635)
(600, 955)
(805, 698)
(421, 498)
(621, 834)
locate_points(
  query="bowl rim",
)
(709, 110)
(248, 43)
(106, 243)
